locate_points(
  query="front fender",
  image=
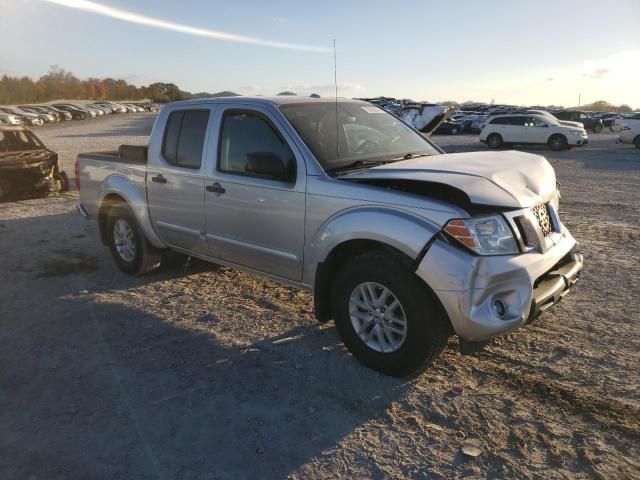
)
(391, 226)
(136, 199)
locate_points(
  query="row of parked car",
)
(37, 115)
(596, 122)
(505, 125)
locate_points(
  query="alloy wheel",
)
(377, 316)
(124, 240)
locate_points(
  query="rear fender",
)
(117, 185)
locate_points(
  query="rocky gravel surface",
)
(201, 372)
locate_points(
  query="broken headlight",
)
(483, 235)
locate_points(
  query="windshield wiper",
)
(410, 155)
(357, 163)
(366, 163)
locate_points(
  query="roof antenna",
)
(335, 81)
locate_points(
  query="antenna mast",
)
(335, 81)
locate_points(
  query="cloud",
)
(139, 80)
(127, 16)
(598, 73)
(550, 79)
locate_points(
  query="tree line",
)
(59, 84)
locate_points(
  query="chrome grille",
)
(542, 216)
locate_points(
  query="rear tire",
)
(558, 142)
(129, 247)
(495, 140)
(383, 341)
(636, 141)
(64, 181)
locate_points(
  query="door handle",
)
(216, 188)
(159, 179)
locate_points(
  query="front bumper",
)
(578, 140)
(471, 287)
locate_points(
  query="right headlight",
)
(575, 132)
(483, 235)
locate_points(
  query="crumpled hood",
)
(504, 179)
(25, 158)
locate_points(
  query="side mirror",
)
(268, 165)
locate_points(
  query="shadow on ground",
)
(104, 390)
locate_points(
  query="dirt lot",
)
(200, 371)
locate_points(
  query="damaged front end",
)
(27, 167)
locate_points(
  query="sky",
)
(505, 51)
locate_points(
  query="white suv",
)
(534, 129)
(631, 134)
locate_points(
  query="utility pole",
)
(579, 98)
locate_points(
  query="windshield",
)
(363, 133)
(19, 140)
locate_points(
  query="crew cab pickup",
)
(401, 244)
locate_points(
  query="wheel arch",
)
(557, 134)
(401, 235)
(118, 190)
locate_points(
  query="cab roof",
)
(264, 101)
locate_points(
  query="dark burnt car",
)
(593, 124)
(27, 167)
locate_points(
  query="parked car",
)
(449, 128)
(477, 123)
(96, 110)
(631, 134)
(531, 129)
(607, 119)
(106, 110)
(26, 165)
(56, 111)
(593, 124)
(89, 112)
(47, 117)
(133, 108)
(401, 244)
(117, 108)
(76, 113)
(28, 118)
(556, 119)
(629, 119)
(9, 119)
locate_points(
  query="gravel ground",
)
(198, 371)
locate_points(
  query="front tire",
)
(495, 140)
(558, 142)
(388, 319)
(64, 181)
(129, 247)
(636, 141)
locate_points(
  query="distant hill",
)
(225, 93)
(287, 93)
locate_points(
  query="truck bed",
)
(133, 154)
(100, 171)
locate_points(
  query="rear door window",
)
(500, 121)
(517, 121)
(184, 137)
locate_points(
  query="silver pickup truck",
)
(401, 244)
